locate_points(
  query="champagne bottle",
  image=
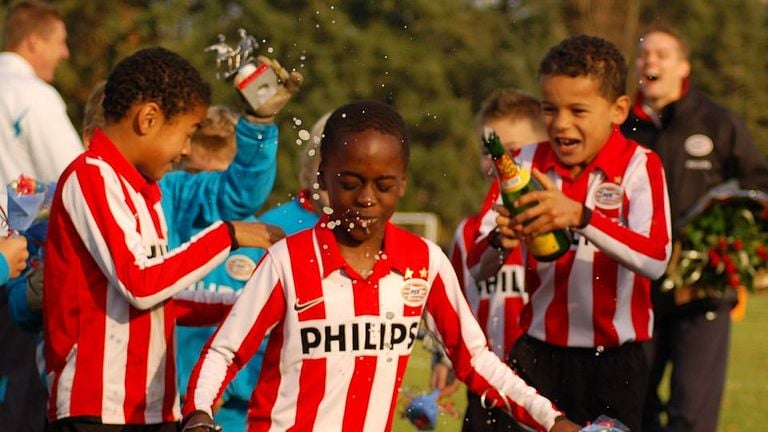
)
(515, 182)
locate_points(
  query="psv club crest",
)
(609, 196)
(415, 289)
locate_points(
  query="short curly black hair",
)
(361, 116)
(154, 75)
(585, 55)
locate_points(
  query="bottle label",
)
(516, 183)
(543, 245)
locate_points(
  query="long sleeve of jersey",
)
(640, 239)
(450, 317)
(635, 231)
(259, 308)
(107, 227)
(193, 201)
(195, 308)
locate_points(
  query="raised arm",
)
(260, 307)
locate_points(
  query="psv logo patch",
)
(414, 291)
(239, 267)
(608, 196)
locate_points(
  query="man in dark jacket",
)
(702, 145)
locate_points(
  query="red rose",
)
(714, 258)
(722, 243)
(762, 253)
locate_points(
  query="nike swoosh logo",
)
(301, 307)
(17, 124)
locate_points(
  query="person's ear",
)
(620, 109)
(148, 117)
(685, 69)
(321, 178)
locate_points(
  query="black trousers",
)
(695, 339)
(585, 383)
(479, 419)
(88, 424)
(22, 394)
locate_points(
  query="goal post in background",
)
(424, 224)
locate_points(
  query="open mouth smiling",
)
(651, 77)
(567, 141)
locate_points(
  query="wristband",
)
(232, 236)
(586, 217)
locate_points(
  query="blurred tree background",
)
(434, 61)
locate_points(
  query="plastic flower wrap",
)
(605, 424)
(423, 410)
(29, 200)
(725, 235)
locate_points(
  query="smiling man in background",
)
(701, 145)
(37, 139)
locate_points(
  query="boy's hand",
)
(256, 234)
(553, 211)
(289, 85)
(198, 421)
(14, 249)
(565, 425)
(508, 231)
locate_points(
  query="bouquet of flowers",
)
(29, 201)
(724, 242)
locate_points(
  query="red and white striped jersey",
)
(339, 343)
(109, 282)
(497, 300)
(598, 293)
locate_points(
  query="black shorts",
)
(92, 424)
(585, 383)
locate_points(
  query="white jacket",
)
(37, 138)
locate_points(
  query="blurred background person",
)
(701, 145)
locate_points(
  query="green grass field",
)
(746, 393)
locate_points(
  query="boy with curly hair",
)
(590, 310)
(109, 302)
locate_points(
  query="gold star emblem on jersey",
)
(423, 273)
(408, 273)
(617, 179)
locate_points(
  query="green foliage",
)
(434, 61)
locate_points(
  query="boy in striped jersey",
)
(497, 301)
(589, 311)
(342, 303)
(110, 278)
